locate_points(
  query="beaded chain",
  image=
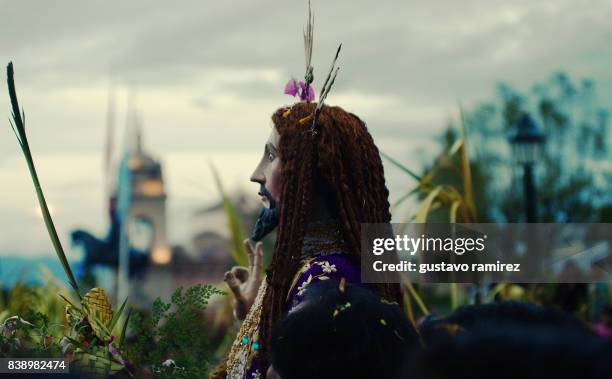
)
(246, 345)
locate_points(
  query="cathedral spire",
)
(138, 133)
(110, 131)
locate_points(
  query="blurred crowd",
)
(345, 331)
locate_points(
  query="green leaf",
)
(234, 223)
(124, 328)
(18, 118)
(117, 315)
(417, 298)
(69, 302)
(456, 146)
(77, 343)
(466, 173)
(401, 167)
(421, 215)
(399, 201)
(454, 296)
(453, 211)
(99, 326)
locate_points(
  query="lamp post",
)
(527, 141)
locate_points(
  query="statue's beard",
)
(268, 218)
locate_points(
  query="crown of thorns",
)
(304, 88)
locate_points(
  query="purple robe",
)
(323, 258)
(321, 267)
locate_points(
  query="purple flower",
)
(294, 88)
(115, 354)
(291, 88)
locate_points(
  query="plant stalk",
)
(25, 148)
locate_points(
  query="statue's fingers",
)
(241, 273)
(234, 286)
(249, 250)
(258, 260)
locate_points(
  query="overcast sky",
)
(206, 75)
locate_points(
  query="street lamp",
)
(527, 141)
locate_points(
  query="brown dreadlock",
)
(343, 159)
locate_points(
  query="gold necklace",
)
(246, 345)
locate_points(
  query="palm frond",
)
(309, 38)
(234, 221)
(417, 298)
(124, 329)
(401, 166)
(117, 315)
(466, 172)
(421, 215)
(19, 128)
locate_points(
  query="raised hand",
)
(244, 282)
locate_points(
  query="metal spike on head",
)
(308, 43)
(327, 86)
(294, 88)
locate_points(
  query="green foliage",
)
(234, 223)
(174, 331)
(573, 181)
(32, 338)
(31, 301)
(573, 175)
(453, 199)
(171, 331)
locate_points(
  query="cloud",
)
(206, 76)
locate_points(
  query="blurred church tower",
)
(147, 212)
(141, 183)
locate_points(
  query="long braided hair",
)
(343, 159)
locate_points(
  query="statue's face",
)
(267, 172)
